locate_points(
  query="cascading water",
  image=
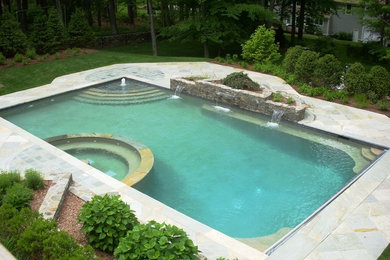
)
(275, 120)
(178, 90)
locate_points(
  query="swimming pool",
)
(226, 170)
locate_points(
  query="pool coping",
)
(308, 238)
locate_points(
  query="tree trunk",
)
(1, 7)
(111, 10)
(293, 16)
(24, 15)
(7, 3)
(152, 32)
(59, 11)
(130, 13)
(301, 20)
(88, 11)
(99, 16)
(206, 53)
(165, 14)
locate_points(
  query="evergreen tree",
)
(55, 31)
(79, 31)
(12, 39)
(38, 32)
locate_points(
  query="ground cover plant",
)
(240, 80)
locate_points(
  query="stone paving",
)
(356, 225)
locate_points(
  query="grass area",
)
(386, 254)
(24, 77)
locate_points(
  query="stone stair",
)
(370, 153)
(137, 95)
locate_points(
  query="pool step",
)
(121, 100)
(368, 154)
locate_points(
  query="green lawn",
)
(23, 77)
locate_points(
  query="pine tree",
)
(79, 31)
(55, 31)
(12, 39)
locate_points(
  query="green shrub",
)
(40, 58)
(356, 80)
(46, 55)
(306, 63)
(31, 54)
(12, 39)
(229, 61)
(324, 45)
(76, 51)
(7, 212)
(228, 56)
(7, 179)
(235, 57)
(80, 33)
(105, 220)
(156, 241)
(329, 95)
(12, 63)
(18, 196)
(60, 245)
(26, 61)
(290, 100)
(291, 58)
(372, 96)
(68, 52)
(327, 72)
(382, 104)
(18, 223)
(243, 64)
(57, 55)
(18, 57)
(240, 80)
(219, 59)
(277, 97)
(38, 30)
(379, 81)
(345, 100)
(34, 179)
(261, 46)
(2, 59)
(31, 241)
(361, 100)
(304, 89)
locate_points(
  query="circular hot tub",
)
(119, 157)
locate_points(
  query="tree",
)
(12, 39)
(80, 33)
(376, 15)
(111, 11)
(217, 22)
(152, 32)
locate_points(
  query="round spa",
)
(119, 157)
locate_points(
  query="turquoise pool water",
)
(239, 177)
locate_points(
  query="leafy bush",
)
(156, 241)
(80, 33)
(277, 97)
(329, 95)
(105, 220)
(7, 179)
(26, 61)
(34, 179)
(356, 80)
(345, 100)
(219, 59)
(18, 221)
(2, 59)
(291, 58)
(243, 64)
(324, 45)
(306, 63)
(261, 46)
(383, 104)
(345, 36)
(379, 81)
(60, 245)
(327, 72)
(68, 52)
(235, 57)
(240, 80)
(76, 51)
(361, 100)
(290, 100)
(31, 241)
(18, 196)
(57, 55)
(38, 30)
(372, 96)
(31, 54)
(18, 57)
(12, 39)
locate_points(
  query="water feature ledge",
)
(248, 100)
